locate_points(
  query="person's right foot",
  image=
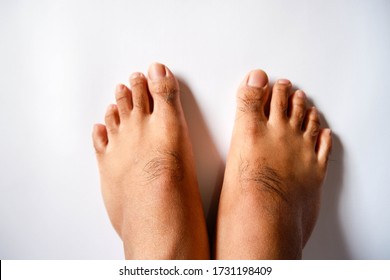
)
(276, 165)
(147, 171)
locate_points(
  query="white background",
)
(60, 62)
(280, 270)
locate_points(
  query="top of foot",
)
(276, 165)
(147, 170)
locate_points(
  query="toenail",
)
(136, 75)
(257, 79)
(120, 87)
(157, 71)
(301, 94)
(111, 108)
(283, 82)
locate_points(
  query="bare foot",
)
(147, 171)
(275, 168)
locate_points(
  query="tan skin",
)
(271, 192)
(147, 171)
(275, 168)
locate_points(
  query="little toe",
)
(311, 125)
(99, 138)
(297, 109)
(123, 100)
(112, 119)
(140, 94)
(279, 100)
(252, 96)
(163, 87)
(324, 146)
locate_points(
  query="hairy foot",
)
(147, 170)
(275, 168)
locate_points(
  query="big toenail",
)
(157, 71)
(257, 80)
(283, 82)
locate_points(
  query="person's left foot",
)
(276, 165)
(147, 171)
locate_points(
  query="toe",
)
(123, 100)
(252, 95)
(312, 125)
(279, 100)
(140, 94)
(163, 87)
(297, 109)
(99, 138)
(112, 119)
(324, 146)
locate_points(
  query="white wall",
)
(60, 62)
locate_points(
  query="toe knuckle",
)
(120, 95)
(122, 101)
(167, 89)
(281, 105)
(314, 130)
(139, 102)
(300, 104)
(110, 115)
(299, 116)
(137, 81)
(251, 99)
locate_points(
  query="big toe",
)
(252, 96)
(163, 87)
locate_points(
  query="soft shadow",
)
(209, 164)
(328, 241)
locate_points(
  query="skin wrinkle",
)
(123, 97)
(316, 129)
(250, 105)
(137, 81)
(270, 196)
(148, 180)
(165, 163)
(165, 90)
(266, 178)
(139, 102)
(252, 101)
